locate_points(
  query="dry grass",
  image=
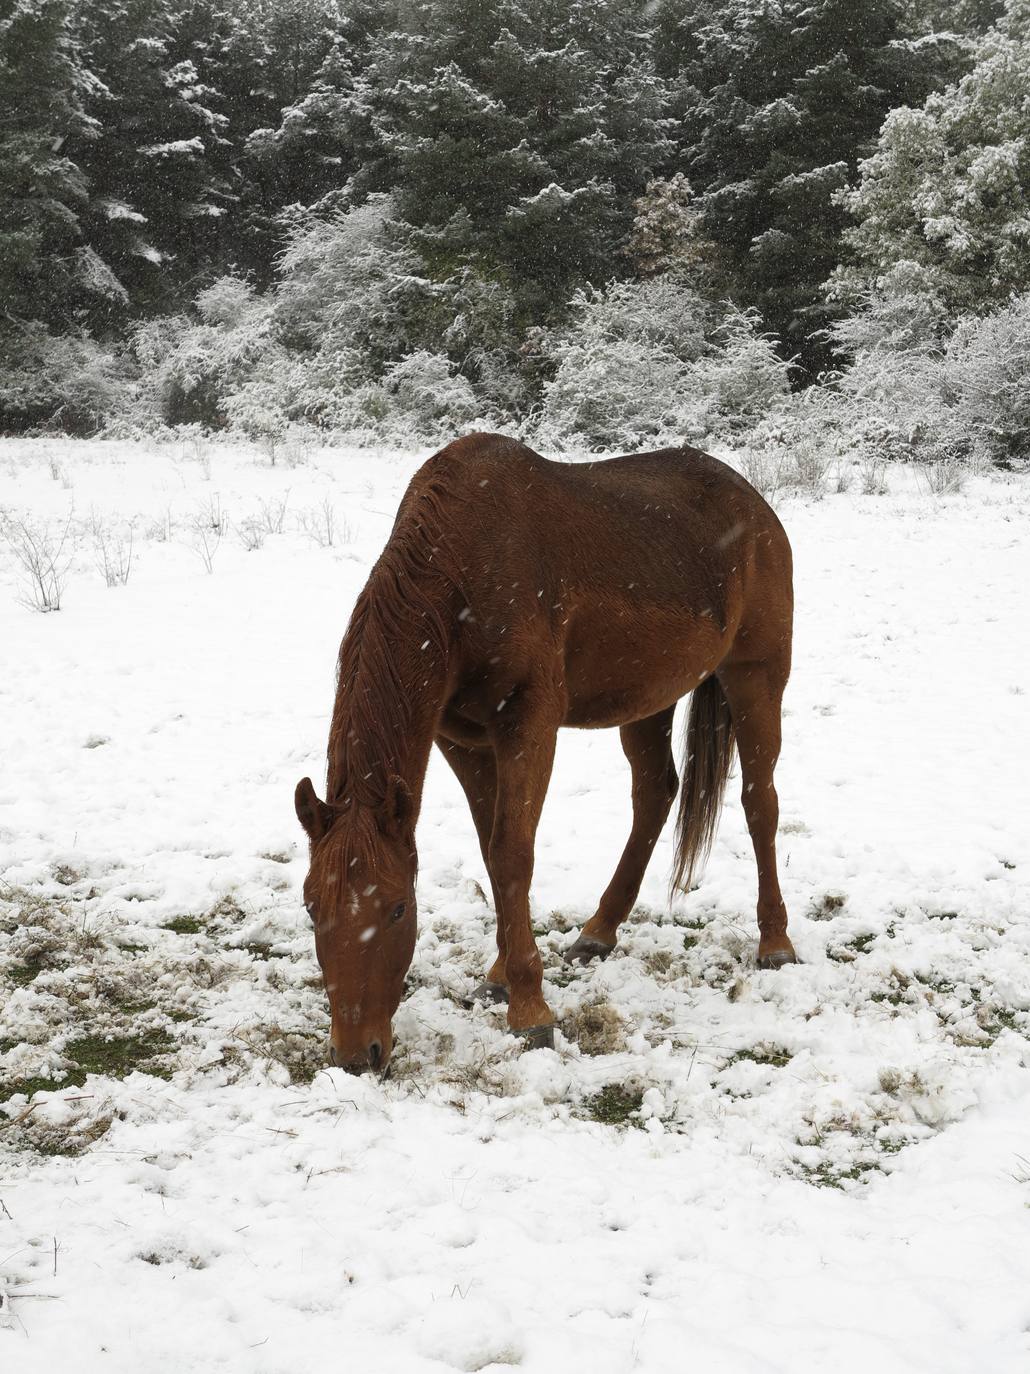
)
(596, 1027)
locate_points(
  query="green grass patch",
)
(895, 997)
(10, 1086)
(774, 1055)
(117, 1056)
(186, 925)
(849, 950)
(614, 1105)
(827, 1176)
(23, 974)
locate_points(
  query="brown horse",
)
(514, 596)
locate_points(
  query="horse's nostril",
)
(332, 1054)
(375, 1052)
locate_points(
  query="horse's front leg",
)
(476, 771)
(523, 753)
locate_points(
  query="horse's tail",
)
(709, 752)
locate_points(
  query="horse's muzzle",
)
(360, 1063)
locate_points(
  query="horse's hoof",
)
(537, 1037)
(487, 994)
(586, 949)
(778, 958)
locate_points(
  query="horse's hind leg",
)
(476, 771)
(754, 692)
(648, 746)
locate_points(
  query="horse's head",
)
(360, 895)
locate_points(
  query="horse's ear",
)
(314, 815)
(398, 810)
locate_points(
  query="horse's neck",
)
(392, 690)
(425, 680)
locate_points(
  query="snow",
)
(177, 148)
(828, 1166)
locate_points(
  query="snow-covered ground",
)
(825, 1168)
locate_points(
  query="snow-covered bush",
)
(986, 382)
(652, 361)
(190, 368)
(912, 394)
(741, 377)
(611, 393)
(419, 396)
(351, 285)
(66, 381)
(366, 343)
(794, 448)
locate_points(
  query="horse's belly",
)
(614, 679)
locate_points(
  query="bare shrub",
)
(320, 524)
(272, 513)
(764, 470)
(270, 443)
(297, 451)
(874, 477)
(57, 472)
(946, 477)
(206, 529)
(270, 518)
(112, 548)
(43, 552)
(195, 450)
(841, 479)
(252, 533)
(161, 529)
(808, 468)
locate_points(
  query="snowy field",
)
(720, 1170)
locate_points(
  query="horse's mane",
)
(394, 651)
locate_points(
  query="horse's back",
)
(641, 572)
(485, 471)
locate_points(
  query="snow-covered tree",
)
(947, 191)
(157, 196)
(516, 133)
(287, 71)
(667, 234)
(44, 266)
(776, 103)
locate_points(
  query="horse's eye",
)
(398, 912)
(310, 909)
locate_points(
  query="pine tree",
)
(309, 134)
(45, 267)
(157, 194)
(516, 134)
(776, 103)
